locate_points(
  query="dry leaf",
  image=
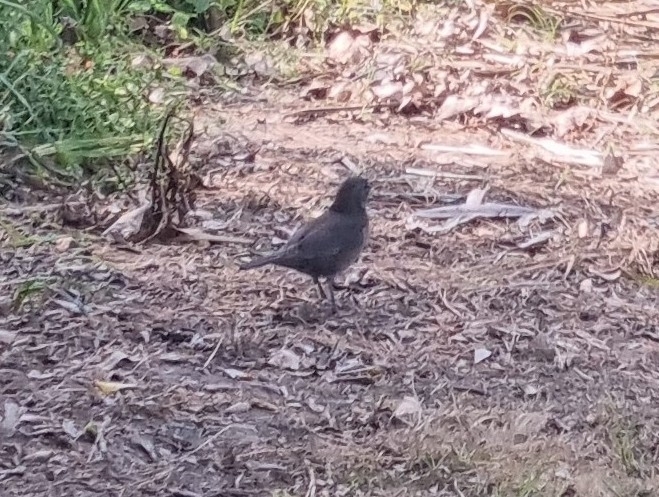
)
(482, 24)
(586, 286)
(409, 405)
(173, 357)
(7, 337)
(63, 243)
(608, 275)
(571, 119)
(341, 46)
(540, 238)
(11, 417)
(473, 208)
(582, 229)
(141, 61)
(110, 387)
(454, 105)
(317, 89)
(198, 235)
(387, 90)
(238, 407)
(612, 164)
(197, 65)
(115, 358)
(531, 390)
(481, 354)
(68, 426)
(128, 224)
(285, 359)
(157, 95)
(236, 374)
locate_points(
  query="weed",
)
(529, 485)
(559, 92)
(27, 291)
(17, 239)
(539, 19)
(623, 441)
(75, 106)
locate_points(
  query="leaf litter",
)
(496, 356)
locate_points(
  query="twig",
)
(442, 296)
(427, 173)
(311, 491)
(209, 440)
(331, 110)
(210, 358)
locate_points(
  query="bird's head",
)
(352, 195)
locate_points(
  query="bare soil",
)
(461, 363)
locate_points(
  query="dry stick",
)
(311, 491)
(442, 296)
(209, 440)
(330, 110)
(596, 17)
(426, 173)
(210, 358)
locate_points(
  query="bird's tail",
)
(260, 261)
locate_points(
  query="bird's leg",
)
(320, 288)
(330, 286)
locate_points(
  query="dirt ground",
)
(495, 358)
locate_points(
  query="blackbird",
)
(330, 243)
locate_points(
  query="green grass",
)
(30, 290)
(15, 237)
(541, 21)
(72, 102)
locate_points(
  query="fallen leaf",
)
(538, 239)
(146, 444)
(582, 229)
(199, 235)
(387, 90)
(531, 390)
(317, 89)
(315, 406)
(141, 61)
(173, 357)
(63, 243)
(285, 359)
(454, 105)
(557, 151)
(70, 429)
(128, 224)
(607, 275)
(115, 358)
(7, 337)
(11, 417)
(197, 65)
(473, 208)
(346, 47)
(236, 374)
(341, 46)
(571, 119)
(586, 286)
(39, 455)
(238, 407)
(110, 387)
(409, 405)
(39, 375)
(157, 95)
(481, 354)
(612, 163)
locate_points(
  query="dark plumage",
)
(330, 243)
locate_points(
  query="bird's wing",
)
(321, 237)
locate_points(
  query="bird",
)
(328, 244)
